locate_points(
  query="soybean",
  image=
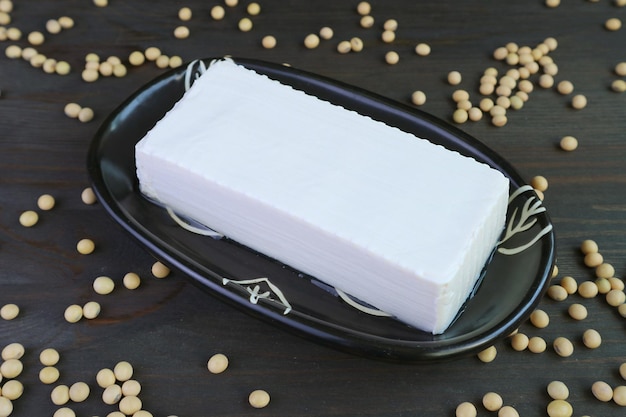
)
(619, 86)
(519, 342)
(6, 407)
(13, 351)
(123, 371)
(460, 116)
(454, 78)
(49, 375)
(245, 24)
(364, 8)
(268, 42)
(152, 53)
(605, 270)
(12, 389)
(602, 391)
(568, 143)
(418, 98)
(60, 395)
(131, 281)
(91, 310)
(366, 22)
(49, 357)
(579, 101)
(388, 36)
(105, 378)
(66, 22)
(163, 61)
(422, 49)
(36, 38)
(356, 44)
(603, 284)
(563, 347)
(85, 246)
(392, 58)
(73, 313)
(589, 246)
(29, 218)
(508, 411)
(326, 33)
(311, 41)
(592, 339)
(259, 398)
(588, 289)
(499, 120)
(539, 182)
(537, 344)
(577, 311)
(88, 196)
(344, 47)
(616, 283)
(593, 259)
(539, 319)
(475, 114)
(130, 405)
(112, 394)
(159, 270)
(492, 401)
(136, 58)
(103, 285)
(131, 388)
(184, 14)
(253, 9)
(560, 408)
(488, 355)
(613, 24)
(570, 284)
(217, 363)
(45, 202)
(90, 75)
(619, 395)
(615, 298)
(466, 409)
(85, 114)
(181, 32)
(565, 87)
(9, 311)
(557, 390)
(557, 293)
(218, 12)
(79, 392)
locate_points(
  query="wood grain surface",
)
(168, 328)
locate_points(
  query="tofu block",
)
(394, 220)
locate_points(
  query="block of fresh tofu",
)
(394, 220)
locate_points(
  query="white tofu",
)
(391, 219)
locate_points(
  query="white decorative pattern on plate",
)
(521, 222)
(194, 70)
(256, 294)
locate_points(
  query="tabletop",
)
(167, 329)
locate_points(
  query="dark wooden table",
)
(169, 328)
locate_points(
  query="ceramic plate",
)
(512, 284)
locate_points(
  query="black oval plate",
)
(511, 287)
